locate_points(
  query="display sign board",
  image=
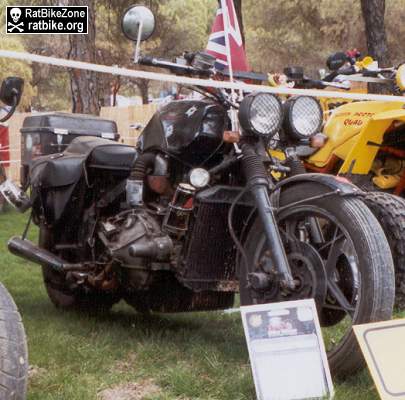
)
(286, 351)
(383, 347)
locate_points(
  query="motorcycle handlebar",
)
(318, 84)
(341, 71)
(171, 66)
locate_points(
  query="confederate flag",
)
(217, 44)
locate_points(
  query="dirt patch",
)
(35, 372)
(130, 391)
(126, 365)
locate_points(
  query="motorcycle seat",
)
(103, 153)
(112, 156)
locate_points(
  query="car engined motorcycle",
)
(193, 216)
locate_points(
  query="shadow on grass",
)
(214, 330)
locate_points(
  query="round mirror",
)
(135, 18)
(5, 112)
(10, 95)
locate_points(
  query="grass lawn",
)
(190, 356)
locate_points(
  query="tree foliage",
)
(278, 33)
(294, 32)
(14, 67)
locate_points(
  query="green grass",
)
(190, 356)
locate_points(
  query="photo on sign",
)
(286, 351)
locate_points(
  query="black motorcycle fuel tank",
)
(191, 130)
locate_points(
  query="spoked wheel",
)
(338, 255)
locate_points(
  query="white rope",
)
(10, 161)
(60, 62)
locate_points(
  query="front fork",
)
(258, 182)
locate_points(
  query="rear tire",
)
(390, 212)
(375, 266)
(62, 296)
(13, 350)
(3, 178)
(2, 204)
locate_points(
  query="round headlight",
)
(400, 77)
(261, 114)
(199, 177)
(303, 116)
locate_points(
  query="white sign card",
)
(383, 347)
(286, 351)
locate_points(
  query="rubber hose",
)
(142, 164)
(296, 167)
(253, 166)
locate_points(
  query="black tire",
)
(375, 265)
(3, 177)
(65, 298)
(13, 350)
(390, 212)
(2, 204)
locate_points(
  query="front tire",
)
(367, 288)
(13, 350)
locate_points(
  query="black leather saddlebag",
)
(54, 177)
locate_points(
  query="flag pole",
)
(225, 18)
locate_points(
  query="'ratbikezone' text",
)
(54, 13)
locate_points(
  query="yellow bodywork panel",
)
(351, 127)
(361, 157)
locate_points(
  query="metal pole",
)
(225, 18)
(138, 43)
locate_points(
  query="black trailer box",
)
(44, 134)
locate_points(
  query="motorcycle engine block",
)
(134, 238)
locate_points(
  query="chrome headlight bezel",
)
(261, 114)
(302, 121)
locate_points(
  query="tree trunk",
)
(143, 86)
(238, 10)
(84, 84)
(373, 14)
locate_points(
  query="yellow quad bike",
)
(365, 143)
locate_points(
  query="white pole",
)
(225, 18)
(138, 43)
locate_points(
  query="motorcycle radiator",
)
(210, 262)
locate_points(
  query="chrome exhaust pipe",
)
(29, 251)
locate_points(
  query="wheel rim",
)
(339, 260)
